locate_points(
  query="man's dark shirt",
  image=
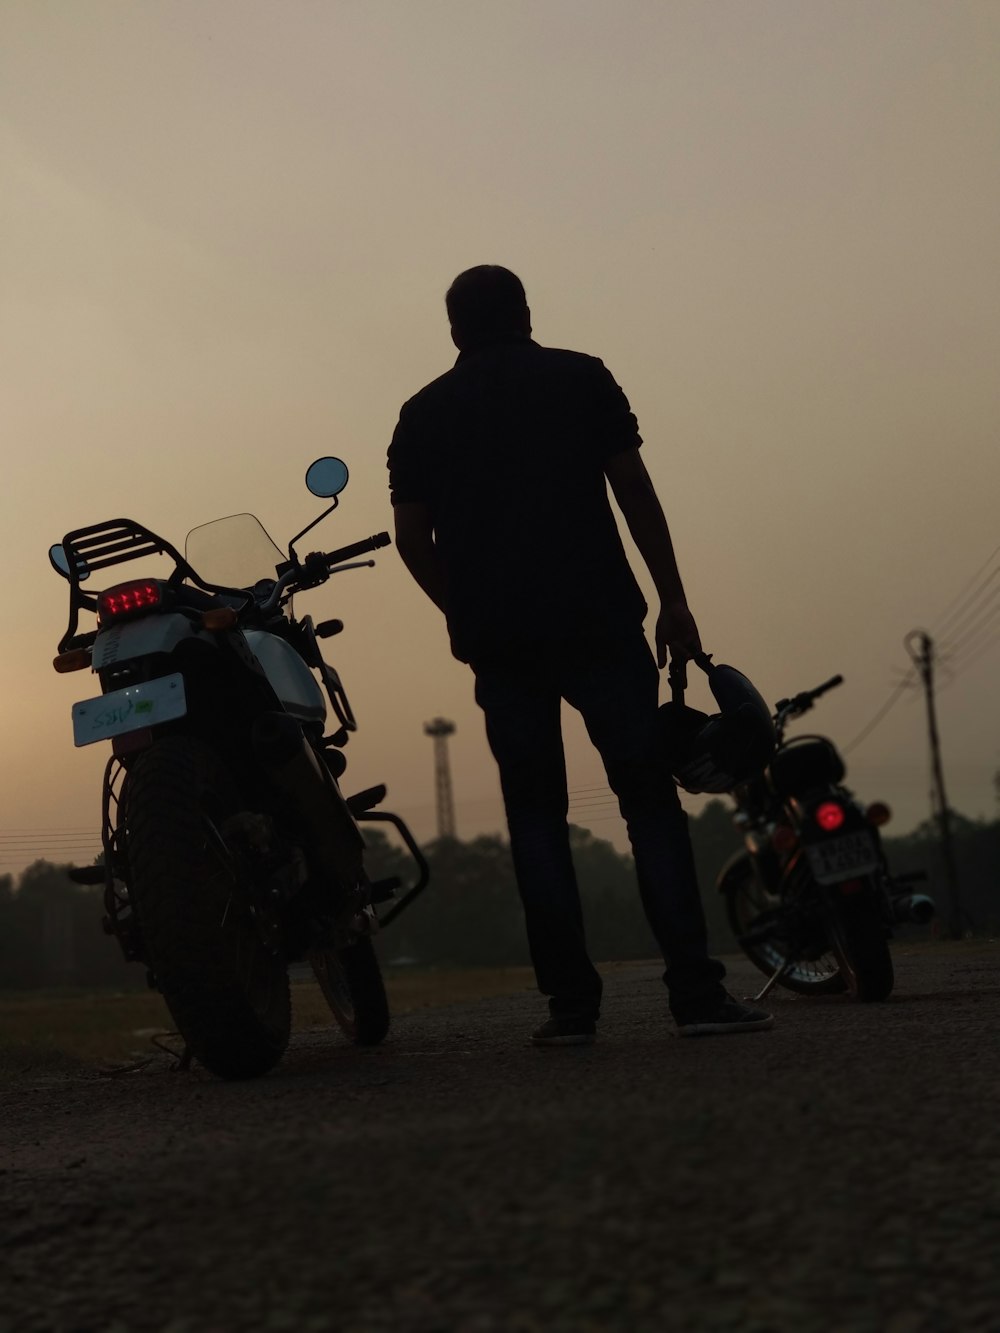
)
(507, 450)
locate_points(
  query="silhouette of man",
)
(499, 474)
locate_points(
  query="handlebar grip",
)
(357, 548)
(827, 685)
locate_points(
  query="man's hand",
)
(676, 631)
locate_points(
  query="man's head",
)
(486, 302)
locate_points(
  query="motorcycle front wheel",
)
(860, 941)
(226, 990)
(750, 908)
(352, 985)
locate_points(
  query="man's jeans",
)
(614, 686)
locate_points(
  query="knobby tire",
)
(352, 984)
(226, 991)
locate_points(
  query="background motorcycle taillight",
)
(829, 816)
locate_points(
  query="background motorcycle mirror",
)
(327, 477)
(60, 563)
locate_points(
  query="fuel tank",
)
(292, 681)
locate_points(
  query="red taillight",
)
(127, 598)
(829, 816)
(878, 813)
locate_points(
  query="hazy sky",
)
(226, 228)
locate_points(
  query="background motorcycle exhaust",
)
(915, 908)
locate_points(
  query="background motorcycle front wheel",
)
(748, 904)
(860, 941)
(225, 989)
(352, 985)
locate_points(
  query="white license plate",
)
(130, 709)
(845, 857)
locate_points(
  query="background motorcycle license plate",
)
(842, 858)
(130, 709)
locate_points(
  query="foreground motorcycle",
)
(229, 849)
(811, 901)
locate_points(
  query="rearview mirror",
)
(59, 561)
(327, 477)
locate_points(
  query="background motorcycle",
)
(811, 901)
(229, 850)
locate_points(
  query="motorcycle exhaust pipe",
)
(333, 841)
(915, 908)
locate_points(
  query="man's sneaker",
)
(722, 1015)
(565, 1032)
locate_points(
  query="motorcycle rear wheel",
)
(225, 989)
(746, 902)
(352, 985)
(859, 939)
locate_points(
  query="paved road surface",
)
(840, 1173)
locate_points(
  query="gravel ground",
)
(838, 1173)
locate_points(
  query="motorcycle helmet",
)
(712, 753)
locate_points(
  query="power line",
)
(900, 689)
(91, 835)
(960, 605)
(968, 624)
(976, 654)
(44, 828)
(952, 606)
(984, 624)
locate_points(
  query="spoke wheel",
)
(756, 920)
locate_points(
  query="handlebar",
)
(316, 568)
(829, 685)
(332, 558)
(785, 709)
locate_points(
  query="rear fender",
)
(143, 638)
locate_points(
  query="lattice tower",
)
(440, 729)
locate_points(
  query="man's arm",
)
(633, 490)
(415, 543)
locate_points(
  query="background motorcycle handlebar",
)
(827, 685)
(801, 703)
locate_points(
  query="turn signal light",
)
(829, 816)
(878, 813)
(127, 598)
(219, 618)
(76, 659)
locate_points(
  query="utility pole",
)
(920, 646)
(440, 729)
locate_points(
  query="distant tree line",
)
(470, 915)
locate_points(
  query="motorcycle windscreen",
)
(234, 552)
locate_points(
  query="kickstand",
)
(185, 1060)
(772, 981)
